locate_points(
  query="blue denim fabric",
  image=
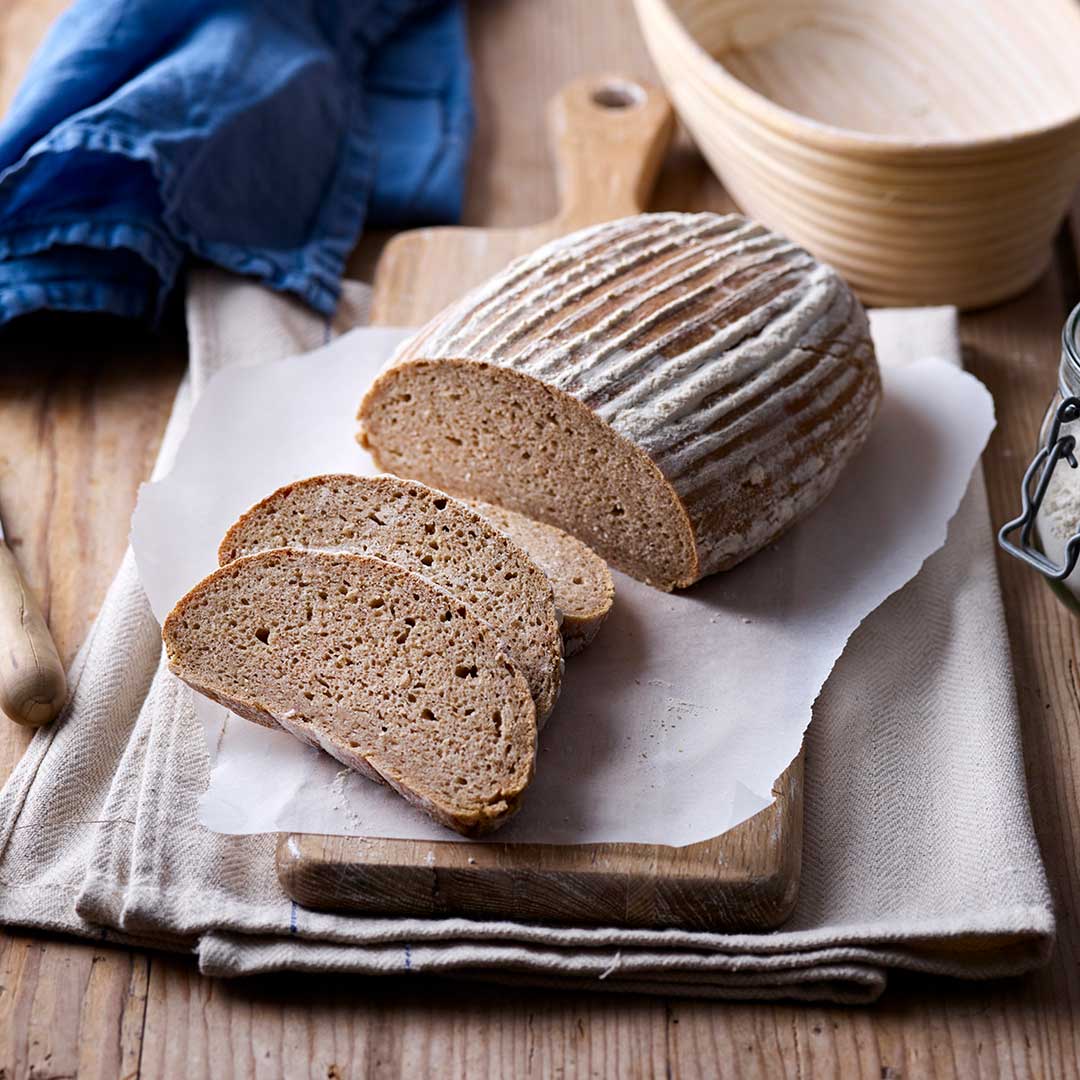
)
(260, 135)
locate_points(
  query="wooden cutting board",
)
(609, 135)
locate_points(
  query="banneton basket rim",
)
(787, 121)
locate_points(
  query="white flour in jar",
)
(1059, 518)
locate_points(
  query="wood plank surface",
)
(81, 414)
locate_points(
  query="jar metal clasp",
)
(1033, 491)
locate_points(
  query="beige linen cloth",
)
(919, 849)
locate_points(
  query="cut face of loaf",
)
(426, 532)
(388, 673)
(581, 580)
(674, 389)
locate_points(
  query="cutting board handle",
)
(609, 134)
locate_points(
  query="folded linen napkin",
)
(256, 136)
(919, 851)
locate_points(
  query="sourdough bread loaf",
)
(673, 389)
(580, 579)
(431, 534)
(391, 675)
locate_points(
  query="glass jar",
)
(1051, 490)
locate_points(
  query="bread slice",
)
(431, 534)
(377, 666)
(676, 390)
(581, 580)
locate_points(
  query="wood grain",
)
(32, 682)
(80, 418)
(746, 879)
(83, 404)
(22, 25)
(929, 152)
(70, 1009)
(608, 135)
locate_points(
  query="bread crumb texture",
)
(427, 532)
(580, 579)
(382, 669)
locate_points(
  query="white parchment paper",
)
(674, 724)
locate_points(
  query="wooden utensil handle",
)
(32, 682)
(609, 135)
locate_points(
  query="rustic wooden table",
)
(82, 409)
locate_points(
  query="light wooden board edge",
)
(746, 879)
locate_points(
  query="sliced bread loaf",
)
(377, 666)
(431, 534)
(674, 389)
(581, 580)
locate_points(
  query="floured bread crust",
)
(674, 389)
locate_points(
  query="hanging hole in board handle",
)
(609, 133)
(618, 95)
